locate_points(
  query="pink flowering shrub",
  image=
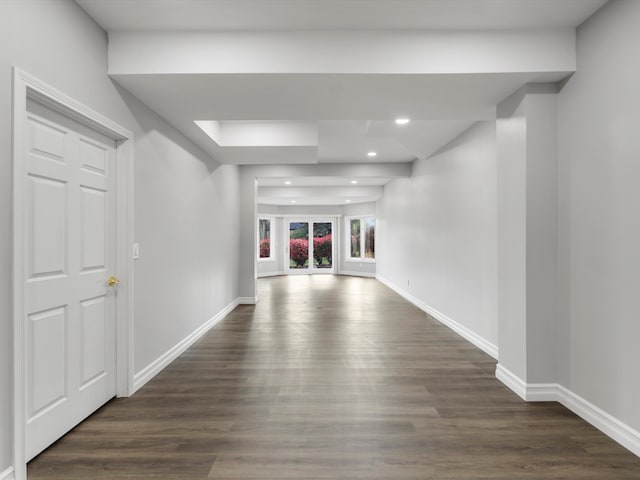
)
(265, 248)
(299, 251)
(322, 249)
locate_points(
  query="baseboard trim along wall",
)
(270, 274)
(553, 392)
(247, 300)
(483, 344)
(155, 367)
(357, 274)
(7, 474)
(513, 382)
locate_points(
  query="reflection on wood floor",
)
(332, 378)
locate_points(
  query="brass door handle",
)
(113, 281)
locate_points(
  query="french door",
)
(310, 248)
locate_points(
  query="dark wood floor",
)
(332, 378)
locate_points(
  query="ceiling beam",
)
(349, 170)
(343, 52)
(326, 191)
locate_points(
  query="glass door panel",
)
(298, 245)
(310, 246)
(322, 245)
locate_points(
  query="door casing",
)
(26, 86)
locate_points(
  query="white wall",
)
(599, 215)
(511, 156)
(542, 232)
(437, 232)
(186, 211)
(526, 130)
(183, 202)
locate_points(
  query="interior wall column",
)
(247, 275)
(527, 239)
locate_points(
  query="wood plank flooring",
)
(332, 378)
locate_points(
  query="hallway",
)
(335, 378)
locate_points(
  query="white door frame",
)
(26, 86)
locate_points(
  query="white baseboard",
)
(541, 392)
(513, 382)
(270, 274)
(531, 392)
(553, 392)
(461, 330)
(357, 274)
(247, 300)
(155, 367)
(606, 423)
(7, 474)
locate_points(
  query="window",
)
(369, 239)
(356, 238)
(264, 239)
(362, 238)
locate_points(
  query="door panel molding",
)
(25, 87)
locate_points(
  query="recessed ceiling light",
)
(287, 182)
(402, 121)
(354, 181)
(347, 201)
(292, 201)
(371, 154)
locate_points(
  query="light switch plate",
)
(136, 251)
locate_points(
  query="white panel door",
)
(70, 253)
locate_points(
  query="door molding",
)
(25, 87)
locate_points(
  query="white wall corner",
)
(7, 474)
(530, 392)
(159, 364)
(483, 344)
(247, 300)
(513, 382)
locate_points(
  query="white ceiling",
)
(181, 15)
(352, 114)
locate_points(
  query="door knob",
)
(113, 281)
